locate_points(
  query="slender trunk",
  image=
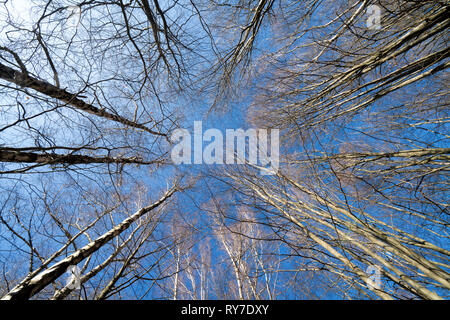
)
(26, 81)
(40, 281)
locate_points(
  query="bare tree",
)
(365, 108)
(90, 95)
(86, 115)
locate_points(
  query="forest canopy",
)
(347, 102)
